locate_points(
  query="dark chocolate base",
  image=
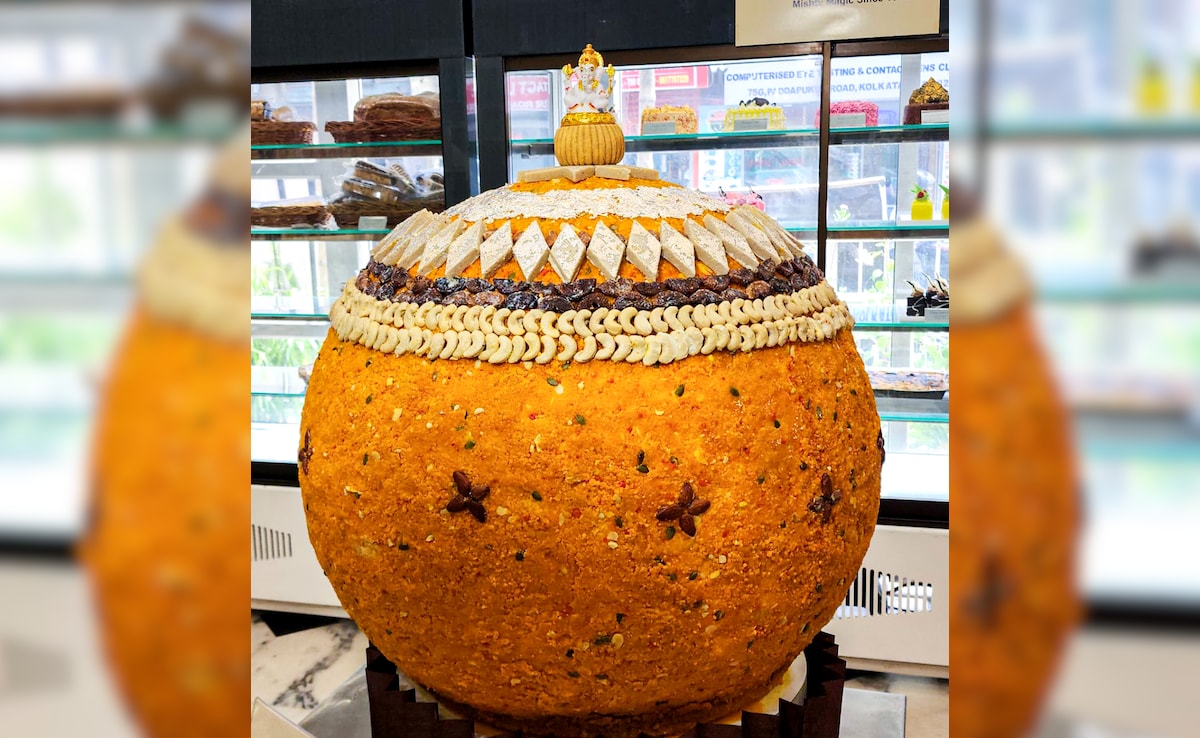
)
(396, 713)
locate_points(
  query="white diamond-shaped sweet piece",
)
(605, 251)
(566, 255)
(496, 251)
(783, 241)
(531, 251)
(421, 223)
(383, 251)
(707, 245)
(612, 171)
(735, 243)
(464, 251)
(677, 249)
(435, 251)
(643, 251)
(759, 243)
(414, 242)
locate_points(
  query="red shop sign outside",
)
(528, 93)
(669, 78)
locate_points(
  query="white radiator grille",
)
(881, 593)
(268, 543)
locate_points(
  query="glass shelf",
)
(389, 149)
(755, 139)
(882, 231)
(1150, 131)
(890, 134)
(316, 234)
(304, 307)
(913, 410)
(891, 317)
(108, 131)
(1130, 292)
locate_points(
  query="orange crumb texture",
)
(166, 549)
(1010, 432)
(573, 601)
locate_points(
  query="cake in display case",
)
(592, 453)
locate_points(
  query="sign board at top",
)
(758, 22)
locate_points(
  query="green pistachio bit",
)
(537, 496)
(552, 382)
(679, 391)
(670, 535)
(469, 445)
(643, 468)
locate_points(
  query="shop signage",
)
(670, 78)
(798, 81)
(759, 22)
(528, 93)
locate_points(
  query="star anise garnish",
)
(306, 452)
(823, 503)
(879, 445)
(685, 509)
(468, 497)
(989, 593)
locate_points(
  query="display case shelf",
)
(925, 133)
(882, 231)
(389, 149)
(1149, 131)
(755, 139)
(26, 132)
(317, 234)
(1130, 292)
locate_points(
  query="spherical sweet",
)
(1015, 522)
(166, 547)
(587, 503)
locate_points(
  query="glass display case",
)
(1093, 176)
(298, 269)
(847, 192)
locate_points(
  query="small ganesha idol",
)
(588, 133)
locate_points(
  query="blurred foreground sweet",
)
(166, 548)
(1015, 509)
(591, 454)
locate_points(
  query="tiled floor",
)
(927, 713)
(296, 671)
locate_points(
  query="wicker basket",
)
(385, 130)
(286, 216)
(282, 132)
(347, 212)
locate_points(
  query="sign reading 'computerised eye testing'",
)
(793, 21)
